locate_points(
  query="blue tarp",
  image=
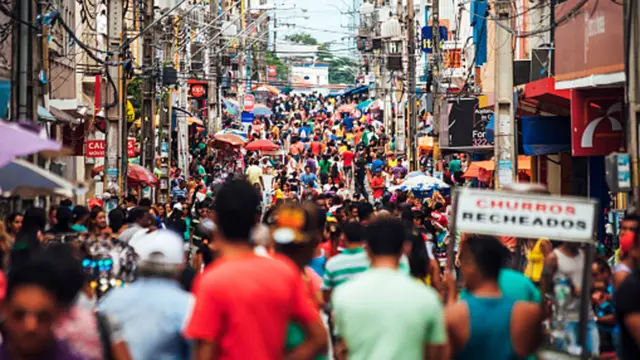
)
(543, 135)
(490, 128)
(479, 23)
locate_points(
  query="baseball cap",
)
(162, 247)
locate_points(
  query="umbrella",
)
(25, 179)
(415, 173)
(268, 88)
(17, 141)
(421, 185)
(192, 120)
(231, 106)
(231, 139)
(135, 173)
(262, 145)
(261, 110)
(377, 104)
(346, 108)
(238, 132)
(364, 105)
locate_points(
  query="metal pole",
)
(505, 149)
(411, 95)
(632, 96)
(24, 50)
(113, 167)
(212, 124)
(148, 103)
(435, 80)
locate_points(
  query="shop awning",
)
(543, 135)
(540, 97)
(63, 116)
(44, 114)
(477, 167)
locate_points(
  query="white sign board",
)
(503, 213)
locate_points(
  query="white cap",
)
(177, 206)
(163, 247)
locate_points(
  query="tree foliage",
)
(282, 69)
(301, 38)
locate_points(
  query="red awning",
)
(540, 97)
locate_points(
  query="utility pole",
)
(435, 81)
(633, 83)
(147, 138)
(213, 124)
(411, 95)
(22, 105)
(113, 154)
(505, 149)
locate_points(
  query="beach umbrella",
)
(238, 132)
(261, 110)
(364, 105)
(422, 185)
(262, 145)
(231, 139)
(22, 178)
(16, 140)
(135, 173)
(346, 108)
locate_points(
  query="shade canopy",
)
(21, 178)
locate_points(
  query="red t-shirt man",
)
(347, 156)
(244, 306)
(377, 184)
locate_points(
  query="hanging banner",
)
(504, 213)
(427, 38)
(597, 121)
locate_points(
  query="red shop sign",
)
(597, 121)
(95, 148)
(197, 91)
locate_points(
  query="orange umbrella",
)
(524, 163)
(262, 145)
(231, 139)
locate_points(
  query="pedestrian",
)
(154, 309)
(626, 299)
(352, 261)
(382, 313)
(80, 219)
(32, 305)
(13, 223)
(479, 324)
(228, 312)
(98, 222)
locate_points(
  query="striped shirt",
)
(349, 263)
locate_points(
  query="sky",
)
(325, 21)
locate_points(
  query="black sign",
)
(479, 134)
(467, 124)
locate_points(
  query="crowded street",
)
(349, 194)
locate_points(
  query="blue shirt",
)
(178, 192)
(377, 165)
(153, 314)
(309, 179)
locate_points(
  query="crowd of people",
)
(306, 254)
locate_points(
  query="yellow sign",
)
(131, 112)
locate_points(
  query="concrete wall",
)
(313, 75)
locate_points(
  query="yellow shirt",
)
(392, 163)
(339, 133)
(342, 149)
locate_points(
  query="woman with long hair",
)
(29, 238)
(421, 266)
(14, 224)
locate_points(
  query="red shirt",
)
(244, 306)
(377, 181)
(315, 148)
(348, 158)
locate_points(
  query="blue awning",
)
(44, 114)
(5, 98)
(543, 135)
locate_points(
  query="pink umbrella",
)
(16, 140)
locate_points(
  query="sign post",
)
(524, 215)
(249, 102)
